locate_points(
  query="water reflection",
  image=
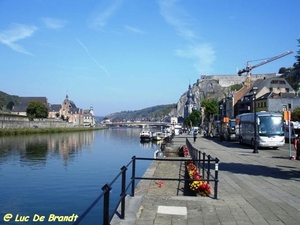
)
(150, 144)
(64, 173)
(35, 149)
(35, 154)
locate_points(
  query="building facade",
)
(273, 94)
(67, 111)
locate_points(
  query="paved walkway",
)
(261, 188)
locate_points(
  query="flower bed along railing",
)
(197, 184)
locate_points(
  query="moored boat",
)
(158, 136)
(145, 135)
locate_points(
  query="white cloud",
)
(53, 23)
(177, 18)
(100, 19)
(202, 53)
(15, 33)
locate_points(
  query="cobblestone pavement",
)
(260, 189)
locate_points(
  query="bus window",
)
(271, 125)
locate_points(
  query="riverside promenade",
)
(262, 188)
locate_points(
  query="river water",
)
(62, 174)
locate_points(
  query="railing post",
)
(107, 190)
(123, 192)
(195, 152)
(199, 156)
(203, 165)
(216, 178)
(133, 175)
(208, 168)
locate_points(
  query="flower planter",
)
(198, 186)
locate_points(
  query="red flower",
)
(197, 176)
(205, 188)
(185, 151)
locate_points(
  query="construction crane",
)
(249, 68)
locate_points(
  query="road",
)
(286, 151)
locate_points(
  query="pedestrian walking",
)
(195, 135)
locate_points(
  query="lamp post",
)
(221, 124)
(254, 90)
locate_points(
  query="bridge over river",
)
(142, 124)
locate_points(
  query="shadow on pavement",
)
(259, 170)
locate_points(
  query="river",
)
(62, 174)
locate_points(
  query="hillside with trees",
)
(155, 113)
(8, 101)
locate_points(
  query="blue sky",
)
(121, 55)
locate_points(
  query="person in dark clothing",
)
(297, 148)
(195, 135)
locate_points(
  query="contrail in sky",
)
(88, 52)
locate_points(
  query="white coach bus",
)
(269, 129)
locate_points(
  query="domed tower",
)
(190, 104)
(67, 107)
(92, 110)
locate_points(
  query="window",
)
(278, 82)
(271, 89)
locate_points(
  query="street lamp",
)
(254, 90)
(221, 124)
(221, 111)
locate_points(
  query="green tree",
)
(298, 56)
(36, 109)
(236, 87)
(282, 70)
(211, 108)
(193, 119)
(296, 114)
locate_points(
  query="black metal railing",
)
(201, 160)
(205, 164)
(106, 191)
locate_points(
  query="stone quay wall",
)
(7, 122)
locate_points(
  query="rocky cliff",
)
(218, 87)
(202, 89)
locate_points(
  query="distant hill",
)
(159, 112)
(8, 101)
